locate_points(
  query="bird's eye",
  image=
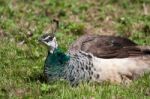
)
(50, 38)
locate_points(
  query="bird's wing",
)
(119, 52)
(79, 42)
(86, 41)
(108, 46)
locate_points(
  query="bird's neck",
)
(56, 62)
(57, 57)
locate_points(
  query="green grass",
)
(22, 57)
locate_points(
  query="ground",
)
(22, 57)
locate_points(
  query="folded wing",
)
(109, 46)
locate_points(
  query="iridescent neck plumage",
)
(55, 63)
(57, 57)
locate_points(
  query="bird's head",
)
(49, 39)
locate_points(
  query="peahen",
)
(76, 65)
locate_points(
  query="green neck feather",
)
(55, 62)
(57, 57)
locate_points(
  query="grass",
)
(22, 57)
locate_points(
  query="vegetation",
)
(22, 57)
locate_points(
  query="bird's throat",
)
(57, 57)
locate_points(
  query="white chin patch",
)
(52, 44)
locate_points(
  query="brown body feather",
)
(108, 46)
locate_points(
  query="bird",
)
(77, 66)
